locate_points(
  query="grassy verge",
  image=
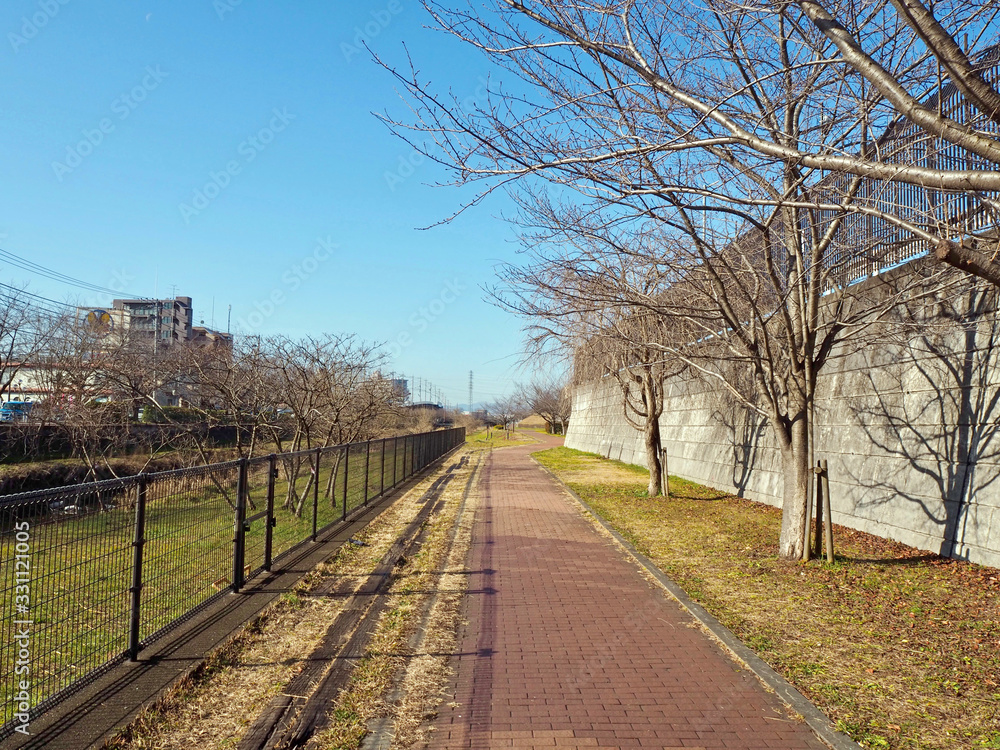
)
(497, 439)
(901, 648)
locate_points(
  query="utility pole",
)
(156, 344)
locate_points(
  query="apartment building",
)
(202, 336)
(165, 321)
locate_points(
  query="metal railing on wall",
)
(92, 574)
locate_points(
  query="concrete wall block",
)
(893, 441)
(974, 526)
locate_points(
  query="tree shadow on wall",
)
(745, 429)
(936, 405)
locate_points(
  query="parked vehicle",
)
(15, 411)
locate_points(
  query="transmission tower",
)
(470, 392)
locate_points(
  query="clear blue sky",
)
(175, 95)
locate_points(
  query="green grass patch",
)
(81, 566)
(495, 438)
(562, 458)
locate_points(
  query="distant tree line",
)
(97, 390)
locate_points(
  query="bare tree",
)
(714, 297)
(550, 400)
(507, 411)
(620, 94)
(581, 291)
(24, 333)
(635, 359)
(764, 174)
(237, 385)
(330, 385)
(955, 125)
(79, 400)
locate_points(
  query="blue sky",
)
(225, 150)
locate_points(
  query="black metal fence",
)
(91, 574)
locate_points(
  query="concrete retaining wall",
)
(910, 434)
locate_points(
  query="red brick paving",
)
(567, 645)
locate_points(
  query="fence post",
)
(239, 535)
(381, 481)
(272, 475)
(347, 456)
(316, 494)
(395, 458)
(139, 541)
(368, 479)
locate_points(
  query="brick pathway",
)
(567, 645)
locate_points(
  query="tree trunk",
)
(300, 501)
(331, 482)
(651, 437)
(795, 496)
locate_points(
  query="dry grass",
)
(218, 705)
(428, 672)
(899, 647)
(394, 657)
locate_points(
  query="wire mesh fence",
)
(92, 574)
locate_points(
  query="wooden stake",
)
(828, 513)
(819, 508)
(664, 475)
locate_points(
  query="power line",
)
(40, 270)
(15, 292)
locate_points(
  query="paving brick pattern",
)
(568, 645)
